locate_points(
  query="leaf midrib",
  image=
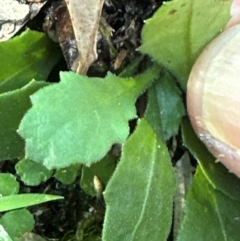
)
(151, 174)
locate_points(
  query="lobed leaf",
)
(139, 196)
(80, 118)
(32, 173)
(180, 29)
(67, 175)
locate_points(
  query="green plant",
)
(17, 222)
(70, 127)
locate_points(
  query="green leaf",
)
(209, 214)
(13, 106)
(32, 173)
(24, 200)
(67, 175)
(4, 235)
(179, 30)
(17, 222)
(8, 184)
(165, 106)
(102, 169)
(87, 117)
(215, 172)
(133, 67)
(28, 56)
(139, 196)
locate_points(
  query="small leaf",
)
(24, 200)
(8, 184)
(209, 214)
(28, 56)
(181, 30)
(165, 106)
(13, 106)
(17, 222)
(139, 196)
(4, 235)
(88, 116)
(102, 169)
(67, 175)
(32, 173)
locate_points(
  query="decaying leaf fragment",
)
(59, 27)
(85, 17)
(14, 14)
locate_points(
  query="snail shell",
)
(213, 97)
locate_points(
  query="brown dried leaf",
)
(65, 32)
(85, 17)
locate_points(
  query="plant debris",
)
(14, 15)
